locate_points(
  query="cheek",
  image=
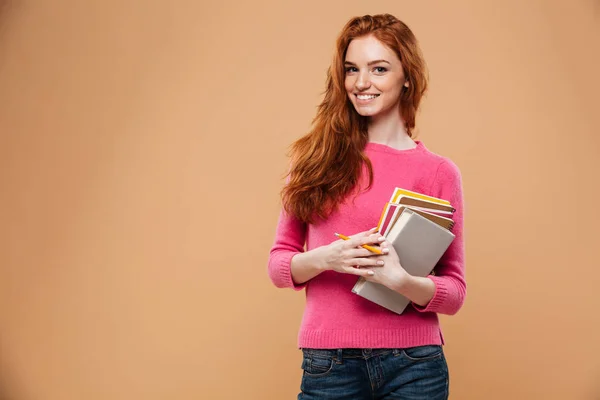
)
(349, 84)
(391, 89)
(388, 85)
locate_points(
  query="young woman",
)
(342, 173)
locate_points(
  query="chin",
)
(366, 112)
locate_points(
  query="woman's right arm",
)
(292, 267)
(290, 236)
(305, 266)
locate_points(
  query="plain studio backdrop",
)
(143, 145)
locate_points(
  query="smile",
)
(366, 96)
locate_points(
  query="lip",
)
(367, 101)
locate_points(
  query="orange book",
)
(399, 191)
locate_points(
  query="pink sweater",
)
(334, 317)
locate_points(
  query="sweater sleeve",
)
(449, 278)
(290, 236)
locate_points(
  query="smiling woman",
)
(374, 77)
(387, 78)
(342, 173)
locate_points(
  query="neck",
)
(389, 129)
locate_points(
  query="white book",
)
(420, 243)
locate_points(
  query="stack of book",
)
(420, 229)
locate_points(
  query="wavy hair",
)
(326, 163)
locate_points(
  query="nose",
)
(362, 81)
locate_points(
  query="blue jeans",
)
(415, 373)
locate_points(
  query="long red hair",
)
(327, 162)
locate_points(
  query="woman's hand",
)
(392, 274)
(346, 256)
(419, 290)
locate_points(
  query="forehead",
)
(367, 48)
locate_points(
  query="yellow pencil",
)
(364, 246)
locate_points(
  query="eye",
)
(351, 69)
(380, 70)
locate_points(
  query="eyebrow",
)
(370, 62)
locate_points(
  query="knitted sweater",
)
(334, 317)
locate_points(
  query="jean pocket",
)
(317, 366)
(423, 353)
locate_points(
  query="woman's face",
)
(374, 76)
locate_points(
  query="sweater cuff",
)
(285, 272)
(439, 296)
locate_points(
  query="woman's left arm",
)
(445, 291)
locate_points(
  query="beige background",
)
(142, 149)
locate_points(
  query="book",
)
(400, 192)
(420, 243)
(425, 204)
(416, 201)
(392, 211)
(444, 222)
(388, 215)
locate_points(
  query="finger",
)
(377, 238)
(367, 262)
(365, 233)
(384, 243)
(358, 271)
(370, 231)
(389, 248)
(370, 239)
(359, 252)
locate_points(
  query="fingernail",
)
(380, 262)
(386, 250)
(371, 273)
(381, 238)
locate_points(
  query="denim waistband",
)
(340, 354)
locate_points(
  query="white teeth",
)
(366, 96)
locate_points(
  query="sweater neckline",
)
(388, 149)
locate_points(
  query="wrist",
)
(405, 284)
(314, 260)
(319, 259)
